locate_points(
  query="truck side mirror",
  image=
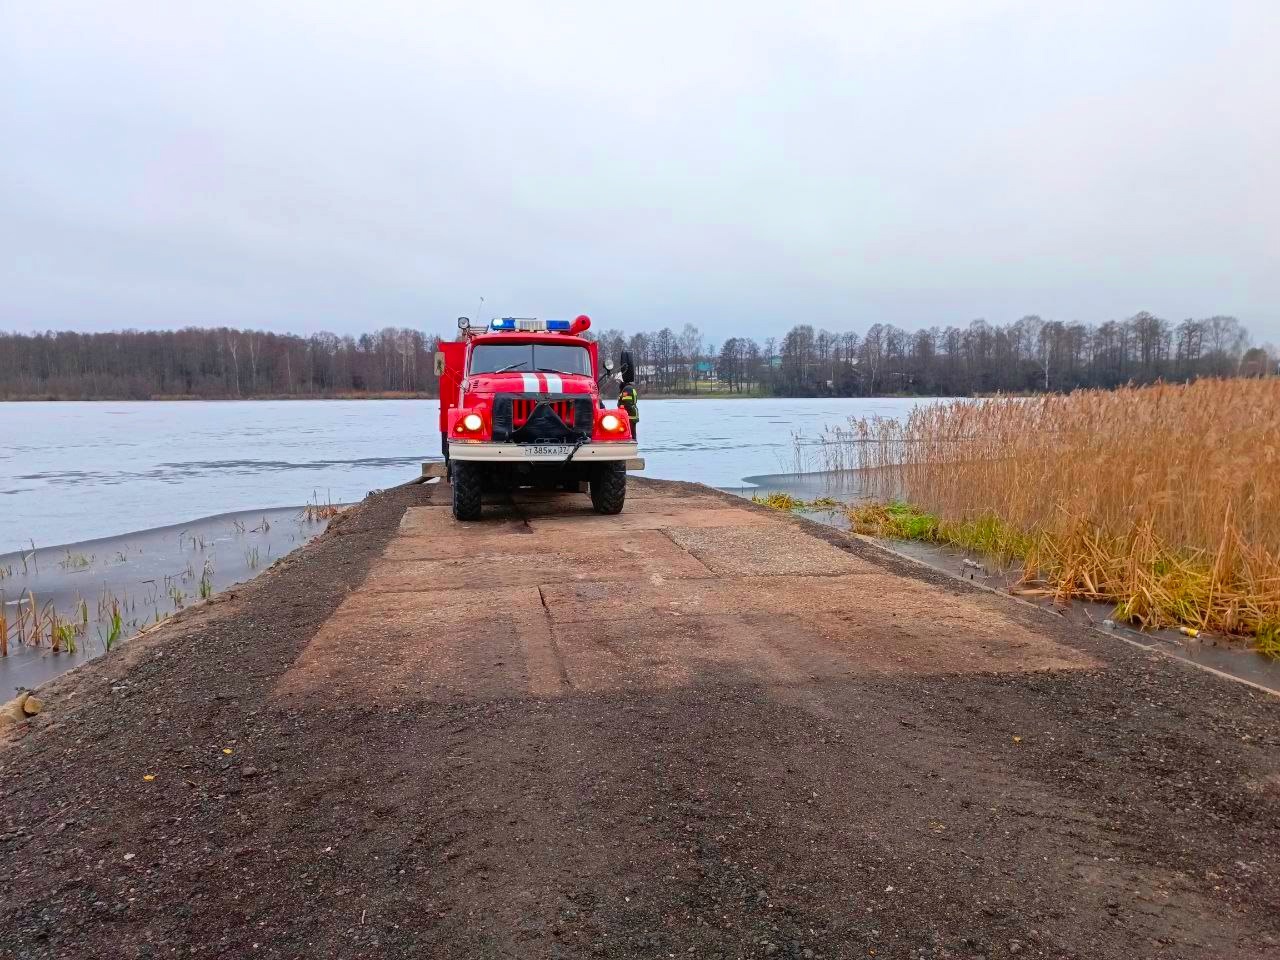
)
(608, 366)
(628, 368)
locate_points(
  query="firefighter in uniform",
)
(629, 401)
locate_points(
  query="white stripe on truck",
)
(530, 383)
(554, 383)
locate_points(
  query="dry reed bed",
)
(1164, 500)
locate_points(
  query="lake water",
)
(71, 472)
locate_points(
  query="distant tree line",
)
(1029, 355)
(214, 363)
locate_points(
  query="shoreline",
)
(165, 552)
(68, 604)
(107, 540)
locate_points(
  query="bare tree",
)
(1032, 353)
(233, 346)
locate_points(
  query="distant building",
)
(1256, 363)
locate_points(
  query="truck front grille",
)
(522, 409)
(537, 418)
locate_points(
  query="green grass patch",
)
(1267, 640)
(897, 520)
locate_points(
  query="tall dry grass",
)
(1164, 500)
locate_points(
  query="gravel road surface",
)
(699, 729)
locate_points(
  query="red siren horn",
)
(581, 324)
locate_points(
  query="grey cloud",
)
(741, 166)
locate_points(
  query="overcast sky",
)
(339, 165)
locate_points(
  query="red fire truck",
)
(520, 406)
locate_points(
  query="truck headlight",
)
(472, 421)
(610, 422)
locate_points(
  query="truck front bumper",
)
(545, 453)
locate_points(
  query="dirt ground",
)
(700, 729)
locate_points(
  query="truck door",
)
(449, 365)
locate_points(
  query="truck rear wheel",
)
(467, 483)
(609, 487)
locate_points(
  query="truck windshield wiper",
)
(510, 366)
(563, 373)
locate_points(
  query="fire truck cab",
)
(520, 406)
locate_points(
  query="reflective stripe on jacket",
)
(629, 401)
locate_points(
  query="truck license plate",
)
(547, 450)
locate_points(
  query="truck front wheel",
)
(467, 483)
(609, 487)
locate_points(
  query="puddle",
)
(145, 576)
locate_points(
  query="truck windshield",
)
(530, 358)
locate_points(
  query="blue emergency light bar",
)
(530, 324)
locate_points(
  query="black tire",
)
(609, 487)
(467, 483)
